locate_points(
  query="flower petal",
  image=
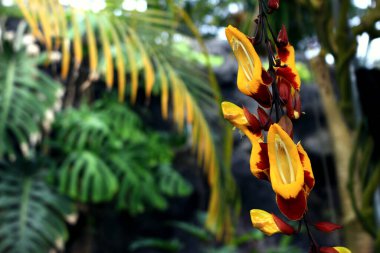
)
(235, 115)
(286, 171)
(292, 208)
(264, 221)
(251, 79)
(327, 227)
(308, 172)
(262, 95)
(264, 118)
(287, 57)
(259, 161)
(283, 226)
(334, 250)
(249, 61)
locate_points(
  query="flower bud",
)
(326, 227)
(282, 38)
(269, 223)
(273, 4)
(283, 90)
(287, 125)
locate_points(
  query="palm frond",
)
(140, 32)
(27, 96)
(32, 214)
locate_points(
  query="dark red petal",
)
(283, 89)
(288, 74)
(327, 250)
(297, 102)
(327, 227)
(292, 208)
(263, 96)
(264, 118)
(265, 76)
(282, 37)
(252, 120)
(283, 226)
(263, 164)
(309, 181)
(287, 125)
(290, 108)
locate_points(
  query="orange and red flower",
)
(269, 224)
(252, 79)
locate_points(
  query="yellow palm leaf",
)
(120, 64)
(164, 91)
(65, 58)
(148, 67)
(92, 48)
(33, 23)
(45, 23)
(78, 51)
(107, 54)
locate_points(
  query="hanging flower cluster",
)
(274, 156)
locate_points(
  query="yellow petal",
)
(308, 172)
(264, 221)
(286, 171)
(250, 68)
(259, 163)
(235, 115)
(342, 249)
(288, 57)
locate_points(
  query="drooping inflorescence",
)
(274, 156)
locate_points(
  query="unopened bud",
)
(274, 4)
(293, 106)
(283, 90)
(287, 125)
(282, 38)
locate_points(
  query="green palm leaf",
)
(139, 36)
(27, 96)
(31, 212)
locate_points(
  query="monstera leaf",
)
(101, 160)
(85, 176)
(31, 212)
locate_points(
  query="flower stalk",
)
(274, 157)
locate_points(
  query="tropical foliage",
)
(132, 43)
(101, 161)
(68, 138)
